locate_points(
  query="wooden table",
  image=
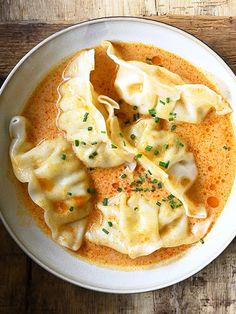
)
(27, 288)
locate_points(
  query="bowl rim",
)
(42, 263)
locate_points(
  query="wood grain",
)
(59, 11)
(27, 288)
(16, 39)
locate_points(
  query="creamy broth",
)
(216, 165)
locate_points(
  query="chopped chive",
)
(154, 181)
(171, 119)
(152, 112)
(136, 116)
(170, 196)
(91, 190)
(167, 100)
(173, 127)
(148, 60)
(135, 208)
(113, 146)
(71, 208)
(124, 143)
(148, 148)
(133, 183)
(123, 176)
(91, 156)
(179, 143)
(156, 152)
(202, 241)
(69, 193)
(63, 156)
(83, 143)
(145, 190)
(105, 201)
(149, 172)
(157, 119)
(159, 185)
(85, 116)
(173, 113)
(225, 147)
(105, 231)
(104, 132)
(137, 156)
(164, 164)
(94, 143)
(162, 102)
(158, 203)
(139, 181)
(137, 189)
(109, 223)
(90, 128)
(132, 136)
(119, 189)
(166, 146)
(76, 142)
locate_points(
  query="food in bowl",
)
(125, 154)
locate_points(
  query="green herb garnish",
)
(105, 231)
(90, 128)
(113, 146)
(123, 176)
(85, 116)
(152, 112)
(148, 148)
(91, 190)
(164, 164)
(156, 152)
(76, 142)
(119, 189)
(71, 208)
(173, 127)
(109, 223)
(63, 156)
(132, 136)
(137, 156)
(105, 201)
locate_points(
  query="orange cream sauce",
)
(216, 165)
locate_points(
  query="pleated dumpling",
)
(164, 152)
(87, 118)
(57, 182)
(138, 226)
(152, 87)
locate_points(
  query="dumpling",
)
(57, 182)
(155, 89)
(87, 118)
(138, 226)
(165, 151)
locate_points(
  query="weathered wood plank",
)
(17, 39)
(13, 275)
(58, 11)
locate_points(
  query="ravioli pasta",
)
(160, 148)
(154, 87)
(137, 226)
(57, 182)
(88, 118)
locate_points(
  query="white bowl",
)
(14, 93)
